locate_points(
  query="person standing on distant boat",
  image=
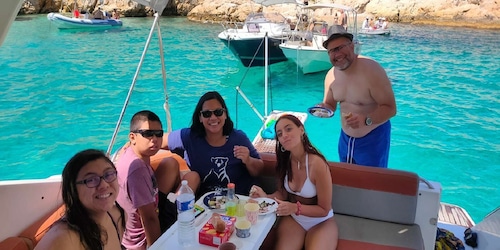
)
(98, 14)
(76, 13)
(366, 24)
(366, 98)
(343, 19)
(115, 14)
(384, 23)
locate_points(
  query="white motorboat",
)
(64, 22)
(28, 207)
(371, 31)
(246, 41)
(305, 45)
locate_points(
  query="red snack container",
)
(208, 235)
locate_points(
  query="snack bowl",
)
(243, 228)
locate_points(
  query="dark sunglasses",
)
(95, 181)
(148, 133)
(208, 113)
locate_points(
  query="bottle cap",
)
(230, 185)
(184, 182)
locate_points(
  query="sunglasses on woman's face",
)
(208, 113)
(148, 133)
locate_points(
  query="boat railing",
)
(232, 27)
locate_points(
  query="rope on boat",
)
(238, 88)
(134, 80)
(240, 91)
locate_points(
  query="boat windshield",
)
(265, 18)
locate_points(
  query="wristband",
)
(298, 208)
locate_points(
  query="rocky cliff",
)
(464, 13)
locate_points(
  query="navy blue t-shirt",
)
(216, 166)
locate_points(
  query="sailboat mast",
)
(266, 66)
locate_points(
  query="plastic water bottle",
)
(230, 200)
(185, 217)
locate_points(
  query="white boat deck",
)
(453, 214)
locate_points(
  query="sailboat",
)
(28, 207)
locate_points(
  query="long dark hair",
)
(76, 216)
(196, 125)
(283, 161)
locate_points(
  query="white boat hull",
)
(64, 22)
(247, 41)
(249, 48)
(308, 59)
(375, 31)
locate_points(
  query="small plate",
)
(266, 205)
(215, 200)
(321, 112)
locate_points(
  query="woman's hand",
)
(256, 192)
(285, 208)
(242, 153)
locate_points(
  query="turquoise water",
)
(63, 92)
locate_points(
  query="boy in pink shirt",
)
(139, 189)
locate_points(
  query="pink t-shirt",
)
(138, 187)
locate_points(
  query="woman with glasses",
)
(214, 150)
(92, 219)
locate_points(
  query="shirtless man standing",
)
(366, 98)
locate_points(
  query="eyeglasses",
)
(148, 133)
(95, 181)
(208, 113)
(338, 48)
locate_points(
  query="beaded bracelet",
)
(298, 208)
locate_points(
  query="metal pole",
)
(266, 65)
(146, 46)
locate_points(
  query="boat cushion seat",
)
(162, 154)
(28, 238)
(15, 243)
(362, 233)
(375, 208)
(374, 193)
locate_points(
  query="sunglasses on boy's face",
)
(148, 133)
(208, 113)
(95, 180)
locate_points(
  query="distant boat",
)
(246, 41)
(305, 46)
(371, 31)
(64, 22)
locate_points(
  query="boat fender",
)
(470, 238)
(268, 132)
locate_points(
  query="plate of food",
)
(266, 205)
(321, 112)
(215, 200)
